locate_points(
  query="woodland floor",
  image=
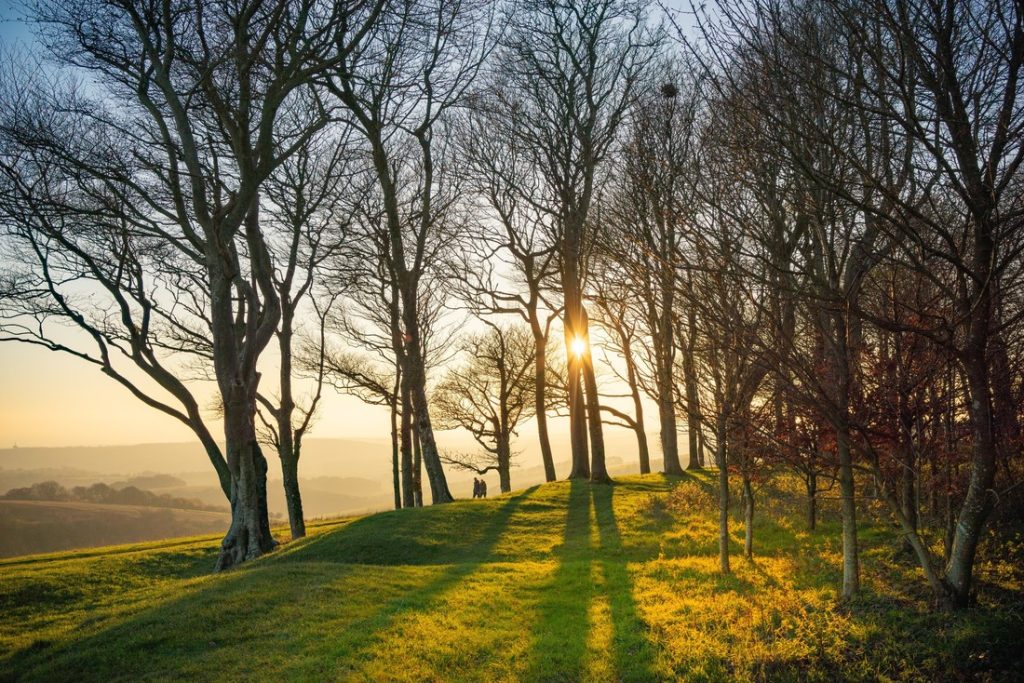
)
(565, 581)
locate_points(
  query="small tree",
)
(489, 396)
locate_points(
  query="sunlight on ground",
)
(563, 582)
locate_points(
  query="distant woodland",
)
(107, 494)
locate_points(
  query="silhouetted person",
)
(483, 488)
(476, 487)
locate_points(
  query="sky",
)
(52, 399)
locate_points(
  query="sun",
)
(579, 347)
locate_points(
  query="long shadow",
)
(463, 531)
(359, 638)
(262, 595)
(560, 636)
(632, 650)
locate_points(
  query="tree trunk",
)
(669, 435)
(702, 446)
(977, 502)
(396, 477)
(696, 454)
(288, 447)
(249, 535)
(408, 499)
(940, 590)
(540, 400)
(574, 329)
(748, 518)
(598, 469)
(812, 500)
(908, 487)
(290, 475)
(721, 461)
(504, 463)
(644, 451)
(439, 492)
(638, 411)
(577, 423)
(417, 471)
(851, 567)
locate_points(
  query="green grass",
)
(559, 582)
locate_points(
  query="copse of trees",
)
(796, 229)
(106, 494)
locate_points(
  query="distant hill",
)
(337, 476)
(30, 526)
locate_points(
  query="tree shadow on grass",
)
(260, 616)
(563, 626)
(632, 650)
(560, 636)
(463, 531)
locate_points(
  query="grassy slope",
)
(560, 582)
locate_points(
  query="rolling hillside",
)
(564, 581)
(32, 526)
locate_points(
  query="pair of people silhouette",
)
(479, 488)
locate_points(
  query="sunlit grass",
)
(560, 582)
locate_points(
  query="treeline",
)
(795, 227)
(106, 494)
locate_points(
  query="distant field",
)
(561, 582)
(28, 526)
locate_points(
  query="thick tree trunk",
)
(249, 535)
(748, 518)
(234, 361)
(577, 423)
(598, 469)
(669, 435)
(663, 338)
(505, 463)
(574, 331)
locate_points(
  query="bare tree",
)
(398, 92)
(489, 396)
(188, 105)
(306, 219)
(509, 269)
(565, 77)
(643, 224)
(76, 261)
